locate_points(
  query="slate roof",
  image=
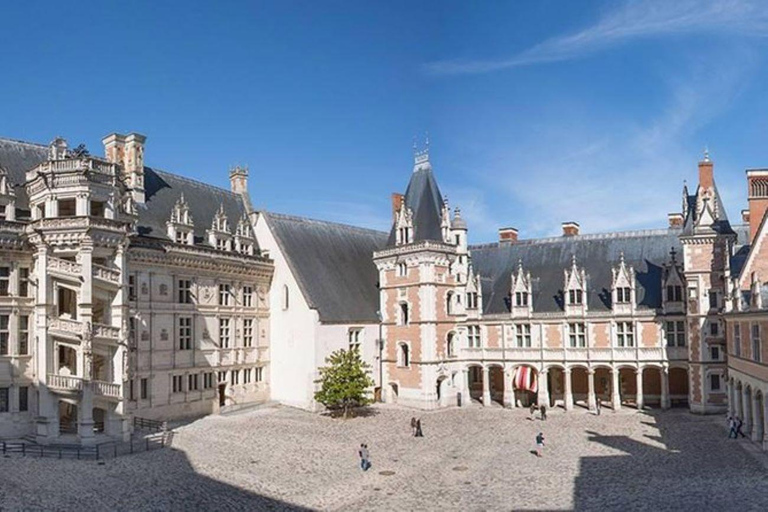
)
(423, 197)
(163, 189)
(16, 158)
(721, 225)
(333, 264)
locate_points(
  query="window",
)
(224, 332)
(712, 299)
(714, 382)
(234, 377)
(185, 333)
(623, 295)
(674, 293)
(67, 208)
(131, 395)
(23, 282)
(403, 355)
(24, 335)
(472, 300)
(756, 342)
(222, 244)
(714, 352)
(258, 374)
(224, 294)
(403, 313)
(521, 298)
(132, 288)
(247, 376)
(192, 382)
(248, 296)
(449, 303)
(402, 269)
(181, 237)
(577, 335)
(97, 208)
(4, 335)
(354, 336)
(23, 399)
(523, 335)
(248, 332)
(223, 376)
(451, 344)
(737, 340)
(3, 399)
(575, 297)
(286, 297)
(714, 328)
(178, 383)
(625, 334)
(185, 291)
(144, 389)
(5, 279)
(676, 333)
(208, 380)
(473, 336)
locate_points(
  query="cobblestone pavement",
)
(469, 459)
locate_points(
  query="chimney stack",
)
(397, 202)
(507, 235)
(675, 220)
(570, 228)
(238, 180)
(128, 152)
(706, 172)
(757, 197)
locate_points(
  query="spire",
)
(706, 154)
(421, 157)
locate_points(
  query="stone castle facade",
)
(127, 291)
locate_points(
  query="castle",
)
(127, 291)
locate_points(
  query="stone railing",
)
(107, 389)
(68, 383)
(72, 165)
(9, 226)
(572, 355)
(106, 331)
(80, 222)
(106, 274)
(65, 326)
(64, 266)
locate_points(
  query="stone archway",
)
(758, 420)
(393, 392)
(652, 386)
(496, 383)
(475, 383)
(68, 417)
(556, 386)
(603, 385)
(748, 408)
(678, 387)
(628, 385)
(580, 386)
(525, 383)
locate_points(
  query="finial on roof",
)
(706, 154)
(420, 158)
(573, 260)
(621, 257)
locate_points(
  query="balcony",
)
(65, 382)
(107, 332)
(107, 389)
(64, 327)
(109, 275)
(64, 267)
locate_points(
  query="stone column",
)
(543, 397)
(486, 388)
(639, 385)
(747, 405)
(739, 397)
(665, 388)
(757, 427)
(465, 396)
(591, 400)
(729, 395)
(568, 392)
(765, 424)
(85, 415)
(615, 391)
(509, 392)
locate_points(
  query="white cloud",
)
(632, 20)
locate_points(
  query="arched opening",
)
(496, 384)
(476, 383)
(404, 318)
(449, 299)
(99, 416)
(67, 418)
(525, 385)
(628, 386)
(556, 386)
(758, 421)
(67, 360)
(403, 355)
(652, 387)
(393, 392)
(67, 303)
(441, 388)
(580, 386)
(450, 344)
(678, 387)
(603, 385)
(748, 419)
(739, 400)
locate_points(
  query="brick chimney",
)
(397, 202)
(675, 220)
(745, 216)
(757, 196)
(706, 172)
(507, 235)
(238, 180)
(570, 228)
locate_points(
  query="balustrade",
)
(66, 382)
(66, 326)
(64, 266)
(107, 389)
(107, 274)
(106, 331)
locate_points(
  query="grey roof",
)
(163, 189)
(423, 197)
(16, 158)
(546, 259)
(333, 264)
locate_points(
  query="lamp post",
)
(380, 342)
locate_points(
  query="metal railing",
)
(97, 452)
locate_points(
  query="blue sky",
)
(538, 112)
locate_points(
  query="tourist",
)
(739, 424)
(419, 433)
(366, 458)
(413, 426)
(543, 410)
(598, 406)
(533, 410)
(539, 444)
(731, 427)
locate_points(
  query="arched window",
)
(286, 297)
(450, 343)
(403, 355)
(449, 303)
(403, 313)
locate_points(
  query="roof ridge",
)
(299, 218)
(193, 181)
(17, 141)
(637, 233)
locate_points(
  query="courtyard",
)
(470, 459)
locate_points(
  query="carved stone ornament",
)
(164, 335)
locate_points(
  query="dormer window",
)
(472, 300)
(623, 295)
(521, 299)
(575, 297)
(404, 226)
(674, 293)
(181, 226)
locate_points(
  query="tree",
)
(344, 382)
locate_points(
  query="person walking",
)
(543, 409)
(361, 454)
(539, 444)
(419, 433)
(533, 410)
(739, 424)
(413, 426)
(731, 428)
(366, 458)
(598, 406)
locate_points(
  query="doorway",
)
(222, 395)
